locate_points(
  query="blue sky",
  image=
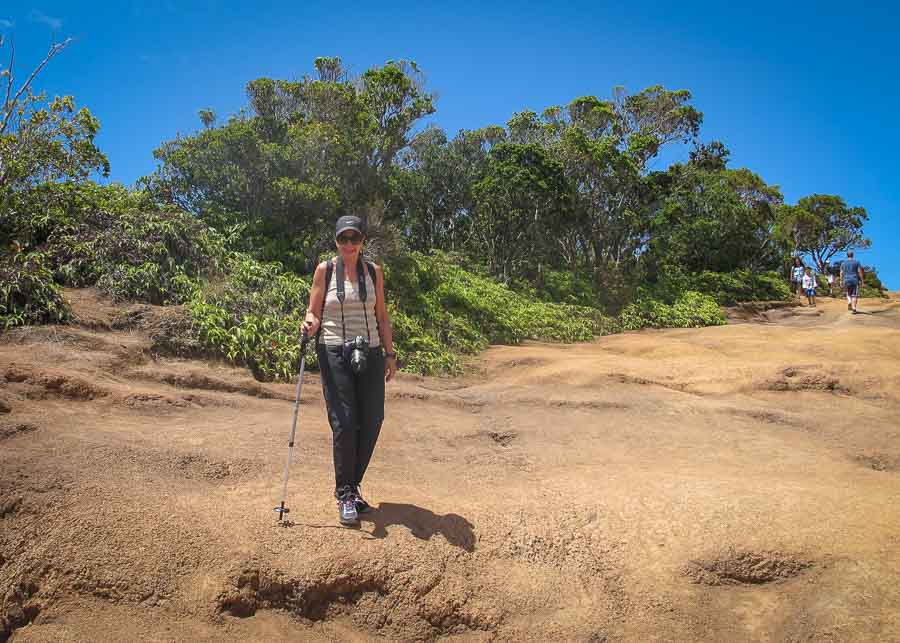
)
(803, 93)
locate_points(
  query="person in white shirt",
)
(809, 286)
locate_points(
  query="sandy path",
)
(730, 483)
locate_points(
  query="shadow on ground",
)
(422, 523)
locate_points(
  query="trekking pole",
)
(281, 509)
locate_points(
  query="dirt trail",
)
(732, 483)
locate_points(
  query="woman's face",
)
(349, 243)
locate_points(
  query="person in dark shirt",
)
(851, 281)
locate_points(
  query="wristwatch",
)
(394, 355)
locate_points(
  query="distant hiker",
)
(355, 350)
(797, 271)
(809, 286)
(851, 281)
(830, 284)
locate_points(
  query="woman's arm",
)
(316, 298)
(384, 326)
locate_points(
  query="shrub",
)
(873, 286)
(567, 287)
(444, 311)
(154, 257)
(691, 310)
(252, 316)
(439, 313)
(28, 294)
(727, 288)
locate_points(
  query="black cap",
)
(349, 222)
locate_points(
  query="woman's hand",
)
(390, 368)
(310, 325)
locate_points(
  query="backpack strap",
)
(374, 276)
(329, 270)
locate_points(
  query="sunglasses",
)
(354, 238)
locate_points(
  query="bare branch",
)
(55, 48)
(9, 78)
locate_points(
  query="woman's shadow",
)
(422, 523)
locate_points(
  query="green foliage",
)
(520, 204)
(727, 288)
(154, 257)
(822, 225)
(870, 291)
(252, 316)
(439, 312)
(713, 220)
(304, 151)
(445, 310)
(108, 237)
(560, 207)
(40, 140)
(873, 286)
(691, 310)
(564, 287)
(28, 294)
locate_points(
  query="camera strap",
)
(361, 290)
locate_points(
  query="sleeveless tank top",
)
(354, 319)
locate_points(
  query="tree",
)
(711, 218)
(40, 143)
(604, 146)
(823, 225)
(521, 201)
(302, 152)
(431, 189)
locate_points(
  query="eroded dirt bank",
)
(732, 483)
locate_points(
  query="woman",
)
(348, 311)
(797, 272)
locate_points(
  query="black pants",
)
(355, 406)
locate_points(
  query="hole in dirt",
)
(5, 407)
(877, 461)
(202, 467)
(11, 430)
(19, 608)
(378, 602)
(10, 506)
(745, 568)
(314, 600)
(503, 438)
(797, 378)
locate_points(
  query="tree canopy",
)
(559, 205)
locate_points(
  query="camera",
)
(356, 353)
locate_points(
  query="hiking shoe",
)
(361, 505)
(347, 514)
(849, 306)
